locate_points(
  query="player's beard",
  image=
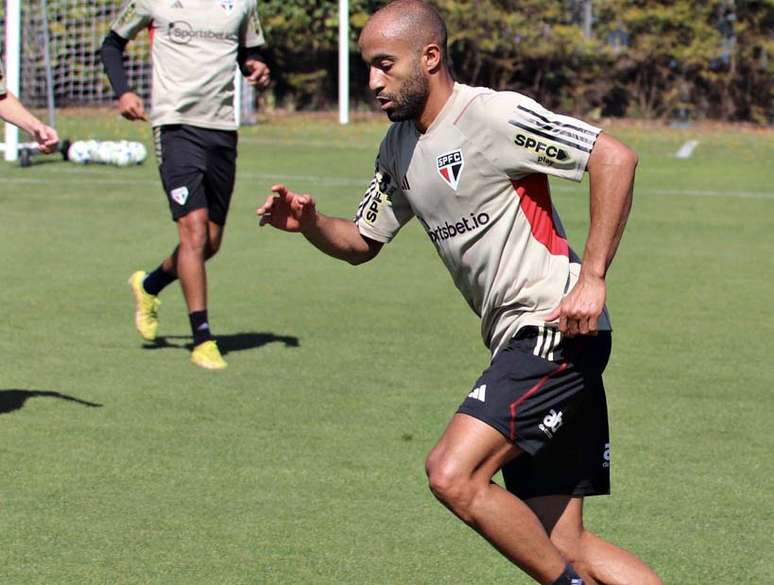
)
(410, 100)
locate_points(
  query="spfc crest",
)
(227, 5)
(450, 167)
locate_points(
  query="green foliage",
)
(646, 58)
(303, 36)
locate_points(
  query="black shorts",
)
(548, 399)
(198, 167)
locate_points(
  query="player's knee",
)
(451, 486)
(193, 233)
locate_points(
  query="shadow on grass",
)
(14, 399)
(226, 343)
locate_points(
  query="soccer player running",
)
(470, 164)
(14, 112)
(195, 46)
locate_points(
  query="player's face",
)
(395, 76)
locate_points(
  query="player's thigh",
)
(221, 173)
(469, 446)
(182, 165)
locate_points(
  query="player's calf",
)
(602, 560)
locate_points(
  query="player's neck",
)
(441, 88)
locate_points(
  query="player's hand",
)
(259, 74)
(46, 137)
(131, 107)
(580, 309)
(287, 211)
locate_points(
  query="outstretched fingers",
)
(264, 211)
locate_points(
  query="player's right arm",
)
(133, 17)
(14, 112)
(337, 237)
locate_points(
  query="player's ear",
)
(431, 58)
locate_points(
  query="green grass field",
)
(303, 462)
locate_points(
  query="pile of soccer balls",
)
(121, 153)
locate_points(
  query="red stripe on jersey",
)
(151, 33)
(535, 197)
(534, 390)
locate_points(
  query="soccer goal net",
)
(57, 43)
(76, 30)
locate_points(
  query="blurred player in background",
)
(195, 46)
(470, 164)
(14, 112)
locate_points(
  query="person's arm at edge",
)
(14, 112)
(336, 237)
(611, 167)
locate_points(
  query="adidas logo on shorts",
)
(479, 393)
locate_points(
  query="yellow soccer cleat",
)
(207, 355)
(146, 307)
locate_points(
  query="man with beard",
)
(470, 164)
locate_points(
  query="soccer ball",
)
(137, 152)
(106, 152)
(92, 146)
(79, 152)
(121, 155)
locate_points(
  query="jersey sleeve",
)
(134, 16)
(384, 209)
(252, 32)
(522, 138)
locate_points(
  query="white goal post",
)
(343, 61)
(12, 43)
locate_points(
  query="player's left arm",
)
(611, 167)
(14, 112)
(254, 68)
(250, 55)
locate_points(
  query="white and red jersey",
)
(476, 180)
(194, 54)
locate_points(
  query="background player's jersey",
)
(2, 80)
(194, 52)
(476, 180)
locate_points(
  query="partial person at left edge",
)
(195, 45)
(14, 112)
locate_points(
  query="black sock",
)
(200, 327)
(569, 577)
(155, 282)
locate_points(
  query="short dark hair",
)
(421, 20)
